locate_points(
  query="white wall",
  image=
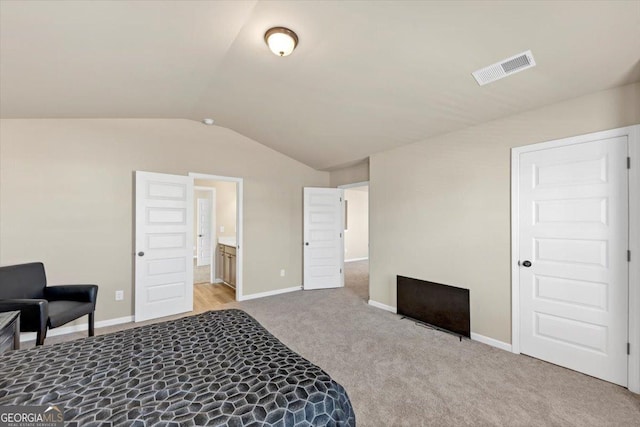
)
(66, 197)
(358, 172)
(440, 209)
(356, 236)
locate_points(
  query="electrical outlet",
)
(282, 273)
(222, 228)
(119, 295)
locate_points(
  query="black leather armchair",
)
(24, 288)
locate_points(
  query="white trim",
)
(633, 135)
(355, 184)
(515, 244)
(476, 337)
(356, 259)
(491, 341)
(239, 224)
(226, 284)
(31, 336)
(271, 293)
(382, 306)
(362, 184)
(633, 382)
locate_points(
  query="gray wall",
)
(351, 174)
(440, 209)
(66, 197)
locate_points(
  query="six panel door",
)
(573, 219)
(323, 238)
(164, 245)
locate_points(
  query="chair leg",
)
(91, 323)
(40, 336)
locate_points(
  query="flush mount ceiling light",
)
(281, 40)
(208, 121)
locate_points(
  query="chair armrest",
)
(80, 293)
(34, 313)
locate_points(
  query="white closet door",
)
(573, 251)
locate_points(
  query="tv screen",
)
(443, 306)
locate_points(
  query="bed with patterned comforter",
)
(216, 368)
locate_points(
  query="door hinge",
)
(340, 235)
(628, 162)
(340, 271)
(341, 199)
(628, 256)
(628, 348)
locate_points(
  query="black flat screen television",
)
(442, 306)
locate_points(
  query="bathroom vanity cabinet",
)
(227, 263)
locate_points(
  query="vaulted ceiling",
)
(367, 75)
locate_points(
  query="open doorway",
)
(216, 257)
(356, 238)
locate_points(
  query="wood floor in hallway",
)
(210, 296)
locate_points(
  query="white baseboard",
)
(476, 337)
(490, 341)
(269, 293)
(228, 285)
(31, 336)
(383, 306)
(356, 259)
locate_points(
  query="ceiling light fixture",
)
(281, 40)
(207, 121)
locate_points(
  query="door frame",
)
(239, 224)
(212, 261)
(633, 142)
(356, 185)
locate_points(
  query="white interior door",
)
(323, 238)
(203, 226)
(164, 245)
(573, 225)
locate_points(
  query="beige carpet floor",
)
(400, 374)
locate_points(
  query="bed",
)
(215, 368)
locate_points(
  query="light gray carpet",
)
(400, 374)
(356, 278)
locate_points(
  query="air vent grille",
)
(515, 63)
(506, 67)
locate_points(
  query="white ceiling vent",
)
(504, 68)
